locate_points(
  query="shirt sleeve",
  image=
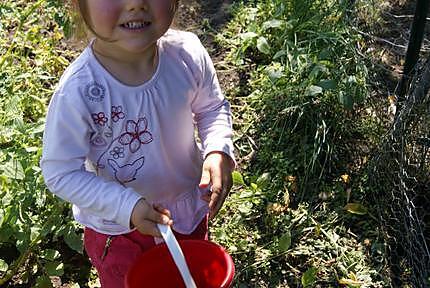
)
(65, 146)
(211, 110)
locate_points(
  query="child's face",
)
(132, 25)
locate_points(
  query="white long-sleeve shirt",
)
(107, 144)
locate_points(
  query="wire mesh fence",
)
(400, 179)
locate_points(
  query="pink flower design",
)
(116, 113)
(136, 134)
(99, 118)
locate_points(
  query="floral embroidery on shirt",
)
(95, 92)
(116, 113)
(136, 134)
(99, 118)
(117, 152)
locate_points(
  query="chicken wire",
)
(400, 179)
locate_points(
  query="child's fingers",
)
(215, 204)
(162, 210)
(219, 195)
(148, 225)
(149, 228)
(157, 217)
(146, 216)
(216, 188)
(206, 177)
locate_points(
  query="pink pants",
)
(113, 255)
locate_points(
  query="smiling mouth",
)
(135, 25)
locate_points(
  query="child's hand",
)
(145, 218)
(217, 169)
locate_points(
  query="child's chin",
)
(138, 47)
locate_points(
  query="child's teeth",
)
(135, 25)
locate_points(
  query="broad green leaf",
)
(220, 234)
(7, 199)
(263, 46)
(50, 254)
(38, 129)
(73, 240)
(245, 208)
(43, 282)
(237, 178)
(346, 100)
(3, 266)
(263, 180)
(6, 233)
(54, 268)
(274, 23)
(318, 70)
(309, 277)
(246, 193)
(34, 232)
(31, 149)
(274, 73)
(285, 241)
(22, 238)
(313, 90)
(248, 35)
(53, 224)
(12, 169)
(279, 54)
(356, 208)
(22, 245)
(327, 84)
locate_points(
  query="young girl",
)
(120, 143)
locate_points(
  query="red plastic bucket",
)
(210, 265)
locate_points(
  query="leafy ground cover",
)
(300, 76)
(303, 116)
(34, 226)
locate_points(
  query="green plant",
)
(33, 223)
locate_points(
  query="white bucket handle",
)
(177, 254)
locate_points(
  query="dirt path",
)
(206, 18)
